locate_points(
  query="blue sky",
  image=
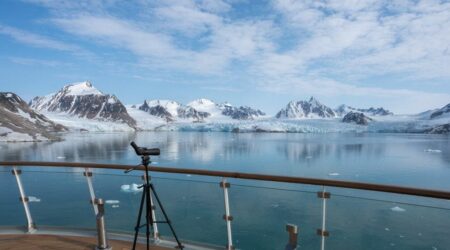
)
(394, 54)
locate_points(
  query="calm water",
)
(356, 220)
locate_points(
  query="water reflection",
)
(374, 156)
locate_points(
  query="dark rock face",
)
(440, 112)
(441, 129)
(307, 109)
(355, 117)
(98, 106)
(16, 115)
(242, 113)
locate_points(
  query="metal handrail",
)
(249, 176)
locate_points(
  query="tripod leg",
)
(165, 216)
(148, 218)
(138, 223)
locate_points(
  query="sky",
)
(394, 54)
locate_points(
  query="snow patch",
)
(82, 88)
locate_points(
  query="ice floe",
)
(112, 202)
(133, 188)
(433, 150)
(333, 174)
(33, 199)
(398, 209)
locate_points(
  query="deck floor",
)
(53, 242)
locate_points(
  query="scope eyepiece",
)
(145, 151)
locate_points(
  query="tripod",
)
(147, 190)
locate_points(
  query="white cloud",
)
(34, 62)
(36, 40)
(349, 40)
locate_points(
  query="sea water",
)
(354, 219)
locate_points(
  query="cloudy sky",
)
(394, 54)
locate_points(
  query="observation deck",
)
(53, 205)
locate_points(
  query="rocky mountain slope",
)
(305, 109)
(357, 118)
(441, 113)
(18, 122)
(82, 100)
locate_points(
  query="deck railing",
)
(323, 193)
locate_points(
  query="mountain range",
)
(82, 107)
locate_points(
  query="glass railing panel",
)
(364, 221)
(261, 211)
(58, 198)
(11, 209)
(194, 205)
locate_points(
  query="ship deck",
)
(41, 242)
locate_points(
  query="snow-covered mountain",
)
(84, 102)
(305, 109)
(343, 109)
(18, 122)
(225, 110)
(171, 110)
(441, 113)
(200, 110)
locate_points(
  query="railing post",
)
(153, 207)
(88, 175)
(24, 199)
(322, 232)
(227, 217)
(102, 243)
(293, 233)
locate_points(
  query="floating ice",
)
(112, 202)
(188, 175)
(60, 157)
(387, 229)
(398, 209)
(133, 188)
(333, 174)
(433, 150)
(33, 199)
(115, 206)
